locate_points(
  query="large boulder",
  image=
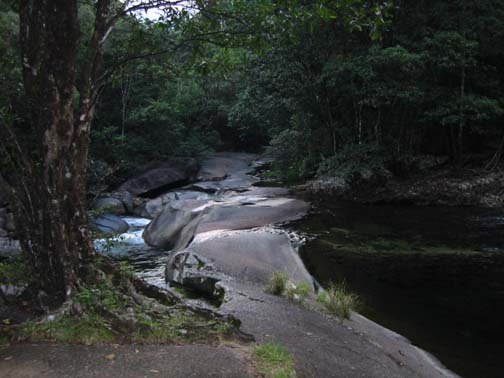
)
(249, 256)
(111, 205)
(174, 227)
(221, 165)
(154, 207)
(260, 213)
(180, 220)
(168, 175)
(110, 224)
(120, 203)
(192, 271)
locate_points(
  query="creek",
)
(432, 274)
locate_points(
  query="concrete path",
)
(123, 361)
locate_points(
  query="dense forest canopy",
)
(426, 79)
(329, 99)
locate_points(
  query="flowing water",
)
(432, 274)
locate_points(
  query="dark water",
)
(432, 274)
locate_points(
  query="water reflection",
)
(433, 274)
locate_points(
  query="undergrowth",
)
(112, 310)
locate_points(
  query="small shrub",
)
(274, 361)
(338, 301)
(277, 284)
(101, 295)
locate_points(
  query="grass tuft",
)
(298, 292)
(338, 301)
(274, 361)
(277, 284)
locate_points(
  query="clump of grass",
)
(298, 292)
(277, 284)
(338, 301)
(274, 361)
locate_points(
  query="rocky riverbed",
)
(206, 228)
(222, 237)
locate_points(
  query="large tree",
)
(62, 76)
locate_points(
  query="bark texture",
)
(48, 187)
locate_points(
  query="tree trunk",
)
(48, 193)
(53, 233)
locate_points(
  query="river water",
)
(432, 274)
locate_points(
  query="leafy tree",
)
(67, 55)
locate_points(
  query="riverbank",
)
(436, 185)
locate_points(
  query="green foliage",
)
(126, 271)
(10, 69)
(102, 295)
(274, 361)
(432, 85)
(354, 159)
(338, 301)
(205, 92)
(14, 271)
(277, 284)
(88, 329)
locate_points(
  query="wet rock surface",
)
(220, 166)
(110, 204)
(250, 257)
(174, 228)
(110, 224)
(170, 174)
(154, 207)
